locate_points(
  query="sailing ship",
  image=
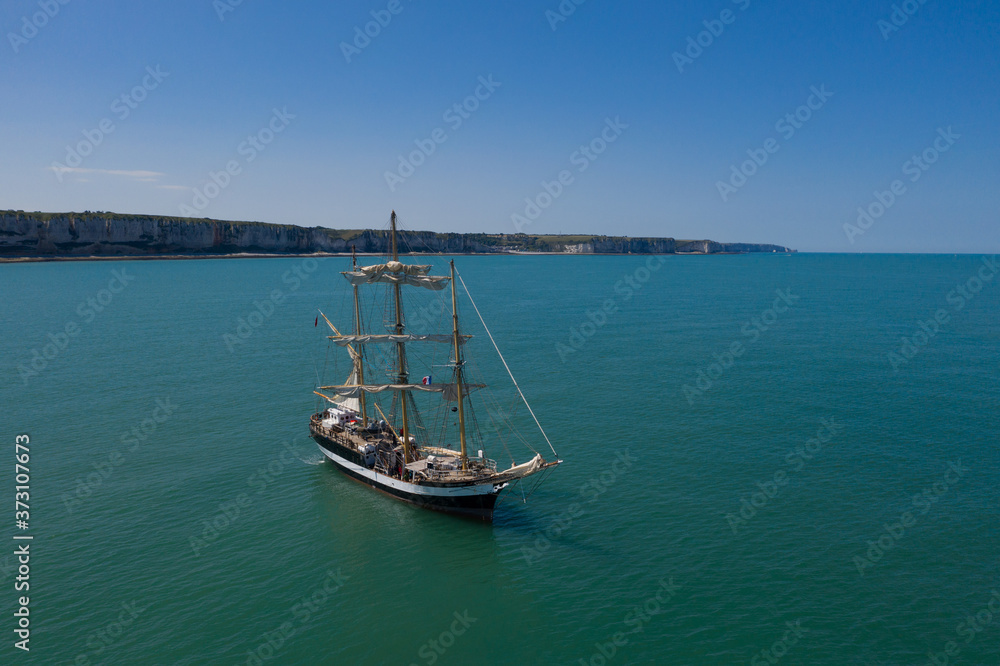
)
(390, 449)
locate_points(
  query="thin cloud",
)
(173, 187)
(142, 176)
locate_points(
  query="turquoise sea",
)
(759, 469)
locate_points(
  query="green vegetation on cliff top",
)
(517, 241)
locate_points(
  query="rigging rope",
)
(502, 359)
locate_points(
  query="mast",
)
(401, 347)
(357, 331)
(458, 369)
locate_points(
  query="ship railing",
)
(332, 429)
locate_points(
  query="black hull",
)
(478, 505)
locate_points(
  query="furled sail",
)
(526, 469)
(344, 340)
(448, 392)
(396, 272)
(350, 402)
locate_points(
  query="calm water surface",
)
(786, 491)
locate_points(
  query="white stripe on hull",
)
(488, 488)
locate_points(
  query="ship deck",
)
(433, 465)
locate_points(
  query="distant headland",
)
(95, 235)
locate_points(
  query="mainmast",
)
(357, 331)
(401, 347)
(458, 369)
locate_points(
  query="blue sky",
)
(326, 130)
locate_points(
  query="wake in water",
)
(314, 459)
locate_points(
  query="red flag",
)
(317, 322)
